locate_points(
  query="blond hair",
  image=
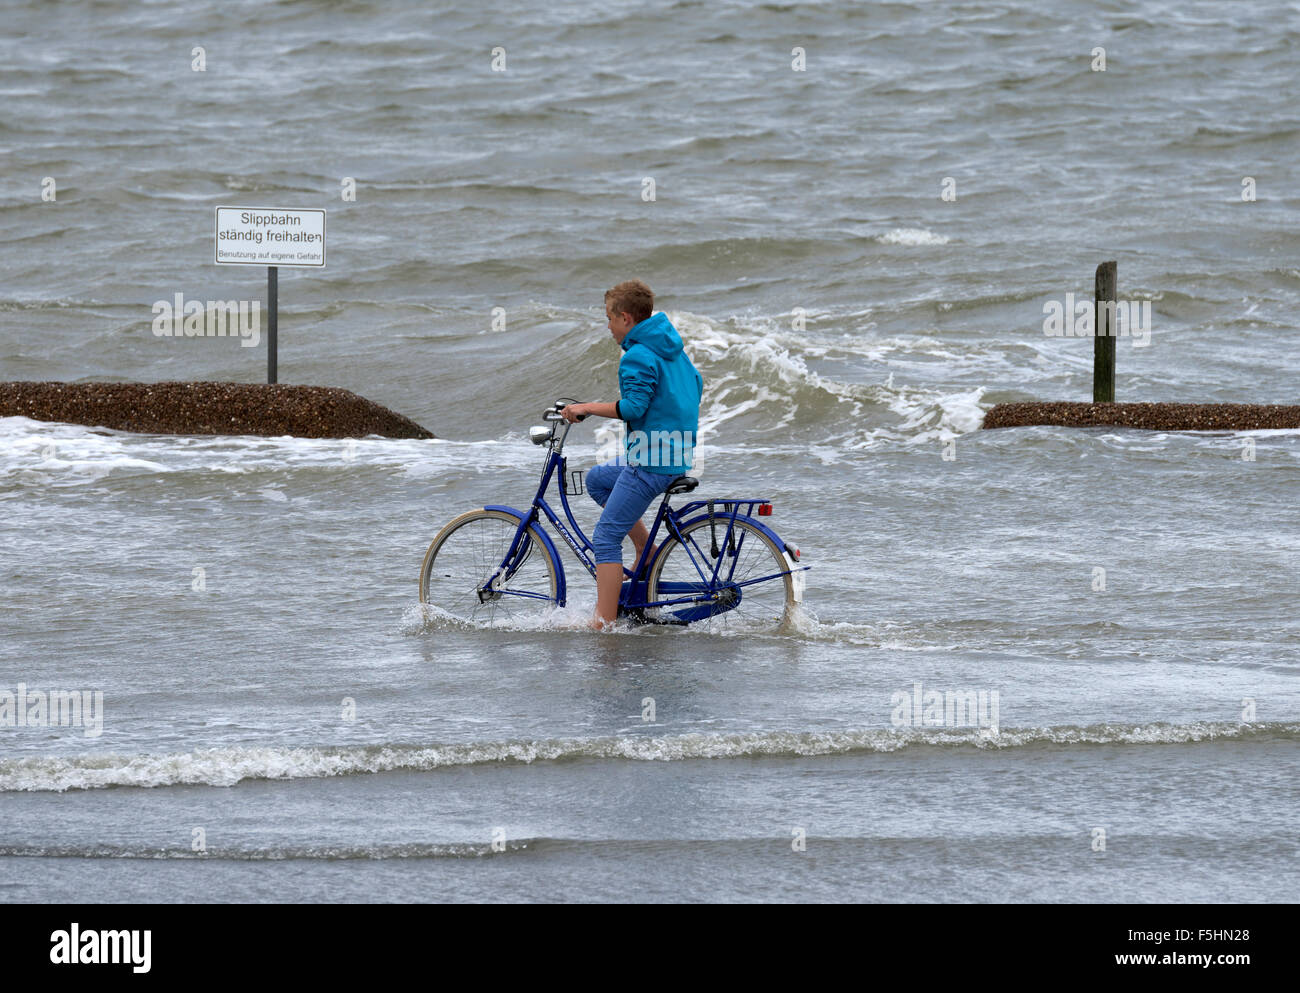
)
(631, 297)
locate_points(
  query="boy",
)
(660, 401)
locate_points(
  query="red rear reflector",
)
(796, 555)
(764, 510)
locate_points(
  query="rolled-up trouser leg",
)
(601, 479)
(627, 501)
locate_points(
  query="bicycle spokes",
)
(744, 586)
(466, 572)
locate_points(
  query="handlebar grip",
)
(581, 417)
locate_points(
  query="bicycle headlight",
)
(539, 435)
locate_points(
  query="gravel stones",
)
(209, 408)
(1151, 416)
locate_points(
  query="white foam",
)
(804, 623)
(759, 365)
(575, 615)
(911, 236)
(67, 452)
(931, 417)
(228, 766)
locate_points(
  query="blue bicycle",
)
(717, 564)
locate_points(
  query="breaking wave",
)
(228, 766)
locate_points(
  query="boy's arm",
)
(637, 381)
(575, 410)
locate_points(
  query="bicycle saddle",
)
(683, 484)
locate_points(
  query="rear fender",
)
(723, 518)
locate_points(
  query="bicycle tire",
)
(463, 556)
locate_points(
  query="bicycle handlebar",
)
(559, 406)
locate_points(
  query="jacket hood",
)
(657, 333)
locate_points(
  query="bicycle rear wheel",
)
(680, 569)
(468, 552)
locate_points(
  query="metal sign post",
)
(272, 311)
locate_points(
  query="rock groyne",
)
(209, 408)
(1151, 416)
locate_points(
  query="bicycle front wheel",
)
(685, 570)
(469, 552)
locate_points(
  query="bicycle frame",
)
(715, 593)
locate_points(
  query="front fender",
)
(545, 539)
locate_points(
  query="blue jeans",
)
(625, 491)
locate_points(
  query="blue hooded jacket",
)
(661, 391)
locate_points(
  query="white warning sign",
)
(270, 236)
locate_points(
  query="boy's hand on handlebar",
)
(574, 412)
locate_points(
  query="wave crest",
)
(228, 766)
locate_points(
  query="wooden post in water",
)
(1103, 344)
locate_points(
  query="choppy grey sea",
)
(857, 215)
